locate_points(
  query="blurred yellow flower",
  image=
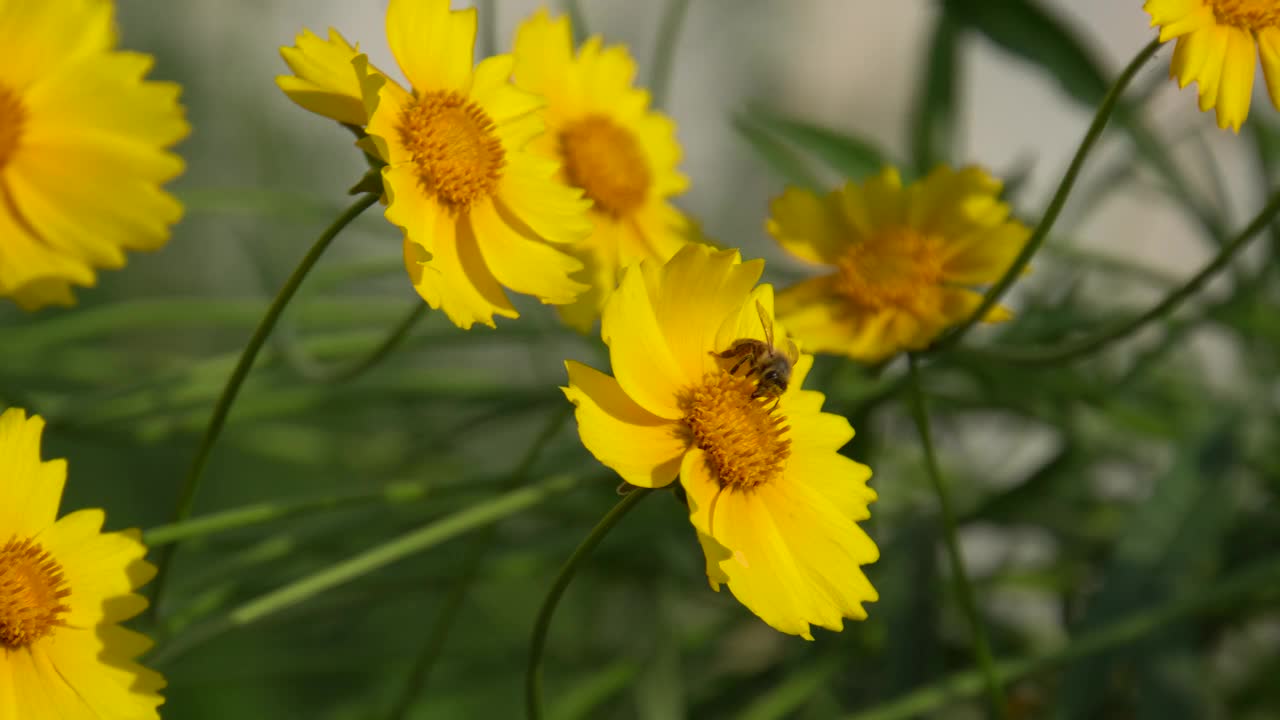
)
(324, 80)
(82, 140)
(1216, 49)
(64, 588)
(774, 504)
(903, 261)
(611, 145)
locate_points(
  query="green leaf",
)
(794, 169)
(1028, 31)
(933, 119)
(852, 157)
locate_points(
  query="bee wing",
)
(767, 323)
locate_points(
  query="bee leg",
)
(748, 356)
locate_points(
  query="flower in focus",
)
(1217, 41)
(774, 504)
(608, 143)
(82, 156)
(64, 588)
(481, 213)
(903, 261)
(325, 81)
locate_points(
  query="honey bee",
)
(771, 365)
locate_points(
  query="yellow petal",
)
(102, 569)
(1238, 68)
(43, 38)
(543, 50)
(434, 46)
(1210, 78)
(810, 227)
(983, 257)
(455, 278)
(1269, 51)
(38, 691)
(521, 261)
(698, 290)
(644, 449)
(642, 360)
(817, 316)
(324, 80)
(97, 665)
(30, 489)
(384, 123)
(493, 92)
(1177, 18)
(556, 212)
(744, 322)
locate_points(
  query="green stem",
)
(416, 541)
(316, 371)
(1059, 200)
(1260, 576)
(964, 588)
(487, 16)
(421, 671)
(541, 626)
(665, 53)
(260, 513)
(187, 495)
(1075, 349)
(577, 20)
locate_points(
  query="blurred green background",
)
(1119, 513)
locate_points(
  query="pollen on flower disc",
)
(606, 161)
(744, 437)
(1247, 14)
(453, 143)
(32, 593)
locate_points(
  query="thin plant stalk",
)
(665, 53)
(187, 494)
(541, 626)
(964, 588)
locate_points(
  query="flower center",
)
(606, 162)
(1248, 14)
(896, 269)
(32, 591)
(452, 141)
(743, 437)
(13, 120)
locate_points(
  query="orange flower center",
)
(453, 144)
(744, 437)
(32, 591)
(1247, 14)
(899, 269)
(607, 163)
(13, 120)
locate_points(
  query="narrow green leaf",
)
(1025, 29)
(933, 118)
(852, 157)
(794, 169)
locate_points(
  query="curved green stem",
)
(541, 626)
(415, 541)
(1075, 349)
(964, 588)
(1259, 577)
(187, 495)
(1059, 200)
(316, 371)
(480, 547)
(664, 54)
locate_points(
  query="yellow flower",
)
(82, 140)
(903, 261)
(481, 214)
(325, 81)
(64, 588)
(611, 145)
(1216, 40)
(774, 504)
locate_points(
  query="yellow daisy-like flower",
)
(82, 140)
(64, 588)
(904, 261)
(611, 145)
(774, 504)
(480, 212)
(325, 81)
(1216, 49)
